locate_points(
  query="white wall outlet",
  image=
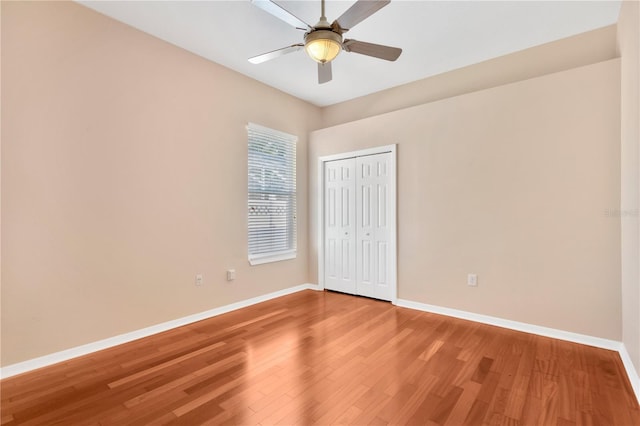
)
(472, 280)
(199, 280)
(231, 274)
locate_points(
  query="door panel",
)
(365, 206)
(373, 230)
(365, 276)
(382, 263)
(382, 206)
(340, 236)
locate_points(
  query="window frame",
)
(288, 189)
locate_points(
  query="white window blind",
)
(272, 195)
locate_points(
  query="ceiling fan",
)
(323, 41)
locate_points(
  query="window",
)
(272, 195)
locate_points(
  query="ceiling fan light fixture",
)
(323, 45)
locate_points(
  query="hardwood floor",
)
(327, 358)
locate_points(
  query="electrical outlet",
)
(199, 280)
(231, 274)
(472, 280)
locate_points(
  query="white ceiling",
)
(436, 36)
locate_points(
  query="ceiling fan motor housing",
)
(323, 45)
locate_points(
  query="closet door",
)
(339, 226)
(373, 231)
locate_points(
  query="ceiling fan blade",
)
(387, 53)
(359, 11)
(324, 72)
(281, 13)
(275, 54)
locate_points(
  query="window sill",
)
(276, 257)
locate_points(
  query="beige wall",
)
(583, 49)
(123, 176)
(629, 46)
(511, 183)
(115, 145)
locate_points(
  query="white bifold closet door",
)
(339, 225)
(356, 226)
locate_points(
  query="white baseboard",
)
(536, 329)
(43, 361)
(514, 325)
(634, 378)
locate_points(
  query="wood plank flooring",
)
(327, 358)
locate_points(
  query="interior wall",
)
(124, 176)
(571, 52)
(518, 184)
(629, 46)
(114, 145)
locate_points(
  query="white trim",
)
(359, 153)
(320, 222)
(272, 257)
(394, 230)
(583, 339)
(260, 136)
(54, 358)
(44, 361)
(634, 378)
(514, 325)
